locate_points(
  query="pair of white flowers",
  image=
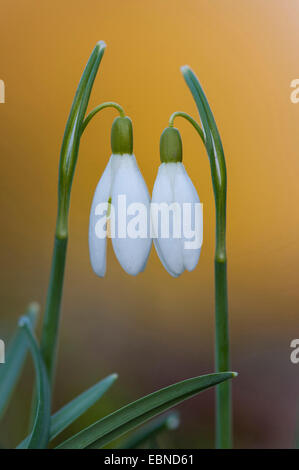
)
(123, 177)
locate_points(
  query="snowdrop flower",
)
(121, 181)
(173, 189)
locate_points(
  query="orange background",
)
(154, 329)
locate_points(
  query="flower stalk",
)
(67, 165)
(100, 107)
(212, 141)
(189, 119)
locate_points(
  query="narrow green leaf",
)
(191, 78)
(71, 139)
(213, 141)
(40, 433)
(75, 408)
(72, 133)
(219, 179)
(129, 417)
(169, 421)
(195, 91)
(14, 360)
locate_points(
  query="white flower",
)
(121, 177)
(174, 187)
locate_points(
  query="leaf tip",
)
(100, 45)
(24, 321)
(34, 307)
(33, 311)
(173, 421)
(235, 374)
(185, 69)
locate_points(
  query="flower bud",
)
(171, 146)
(122, 136)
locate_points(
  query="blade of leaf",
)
(195, 91)
(213, 141)
(130, 416)
(169, 421)
(40, 433)
(190, 77)
(75, 408)
(219, 179)
(72, 134)
(15, 358)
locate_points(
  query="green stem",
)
(222, 359)
(107, 104)
(222, 347)
(189, 119)
(52, 311)
(215, 153)
(67, 165)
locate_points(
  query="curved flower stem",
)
(218, 172)
(107, 104)
(67, 165)
(191, 120)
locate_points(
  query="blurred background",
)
(154, 330)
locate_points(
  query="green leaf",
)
(213, 141)
(123, 420)
(75, 408)
(169, 421)
(14, 360)
(197, 92)
(71, 139)
(219, 178)
(40, 433)
(67, 164)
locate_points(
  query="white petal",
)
(97, 246)
(132, 253)
(185, 192)
(169, 249)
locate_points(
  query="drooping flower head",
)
(178, 237)
(120, 188)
